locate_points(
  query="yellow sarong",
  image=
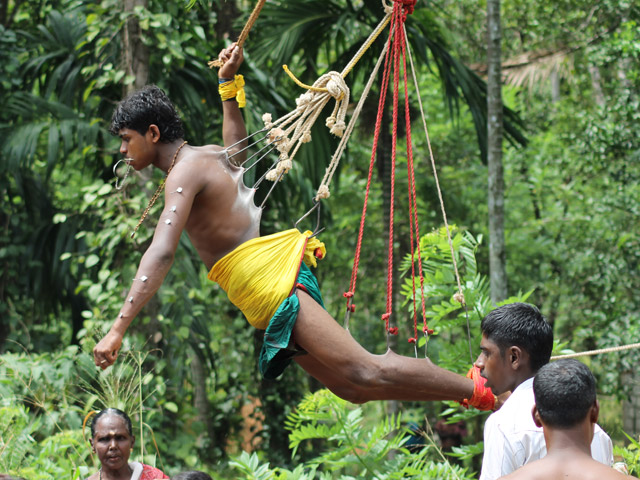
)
(261, 273)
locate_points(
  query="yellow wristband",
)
(233, 89)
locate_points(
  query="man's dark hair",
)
(111, 411)
(522, 325)
(192, 475)
(565, 390)
(145, 107)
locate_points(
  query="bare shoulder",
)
(206, 156)
(548, 469)
(537, 470)
(201, 166)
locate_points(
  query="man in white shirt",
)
(516, 342)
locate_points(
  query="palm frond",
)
(459, 81)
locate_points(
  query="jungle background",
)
(187, 373)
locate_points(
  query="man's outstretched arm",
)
(155, 262)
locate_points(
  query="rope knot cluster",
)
(268, 120)
(294, 129)
(336, 85)
(323, 192)
(408, 6)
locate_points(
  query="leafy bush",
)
(350, 447)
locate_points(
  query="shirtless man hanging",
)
(266, 277)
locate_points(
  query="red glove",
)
(482, 398)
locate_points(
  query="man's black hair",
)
(145, 107)
(565, 390)
(111, 411)
(522, 325)
(192, 475)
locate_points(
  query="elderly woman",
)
(112, 440)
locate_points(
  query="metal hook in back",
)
(317, 228)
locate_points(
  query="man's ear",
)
(594, 412)
(514, 355)
(154, 132)
(536, 416)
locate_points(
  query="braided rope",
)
(394, 65)
(323, 189)
(413, 207)
(252, 19)
(295, 128)
(596, 352)
(245, 32)
(297, 124)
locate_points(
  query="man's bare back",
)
(566, 466)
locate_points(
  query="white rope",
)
(596, 352)
(294, 129)
(323, 189)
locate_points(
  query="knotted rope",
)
(294, 129)
(396, 62)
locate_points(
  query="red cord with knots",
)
(395, 66)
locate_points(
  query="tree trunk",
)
(497, 256)
(226, 14)
(200, 400)
(555, 86)
(631, 407)
(135, 54)
(596, 84)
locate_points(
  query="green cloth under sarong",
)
(277, 351)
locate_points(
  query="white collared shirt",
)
(511, 439)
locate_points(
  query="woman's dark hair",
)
(522, 325)
(192, 475)
(145, 107)
(111, 411)
(565, 390)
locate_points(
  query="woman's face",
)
(112, 442)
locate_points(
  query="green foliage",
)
(22, 454)
(456, 327)
(40, 421)
(630, 454)
(349, 448)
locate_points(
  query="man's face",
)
(495, 367)
(135, 148)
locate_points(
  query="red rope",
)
(376, 136)
(413, 209)
(393, 59)
(397, 24)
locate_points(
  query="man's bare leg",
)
(352, 373)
